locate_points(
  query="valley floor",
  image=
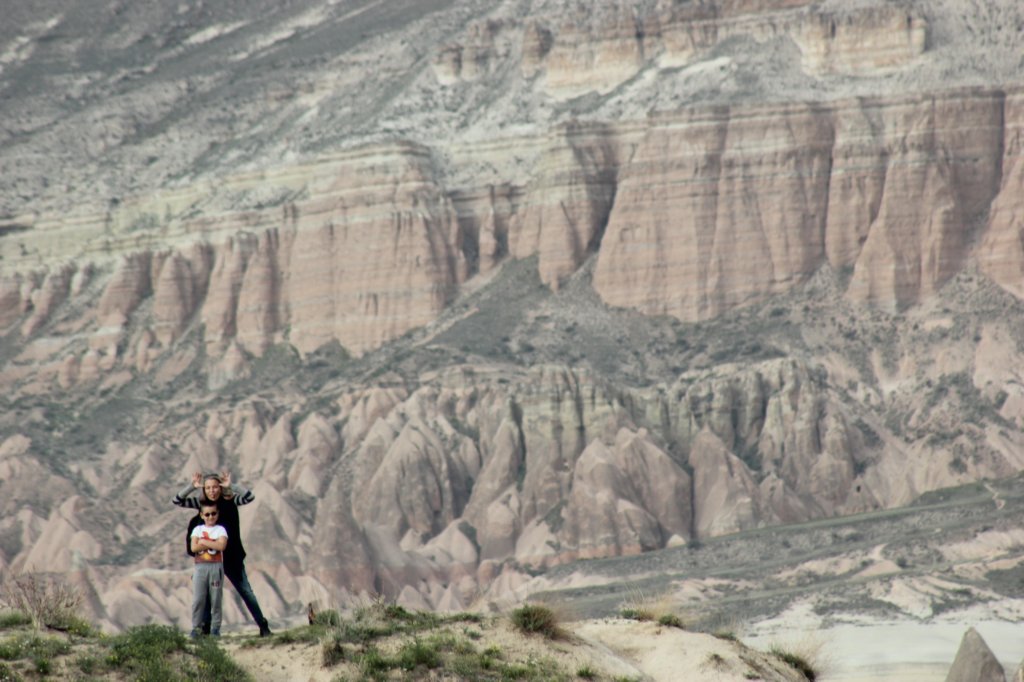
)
(873, 651)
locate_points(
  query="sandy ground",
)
(668, 654)
(904, 650)
(862, 650)
(616, 648)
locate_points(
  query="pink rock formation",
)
(179, 288)
(52, 293)
(952, 168)
(725, 493)
(704, 221)
(625, 499)
(11, 302)
(569, 203)
(1001, 254)
(129, 285)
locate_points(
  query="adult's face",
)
(211, 488)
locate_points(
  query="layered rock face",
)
(373, 252)
(710, 211)
(639, 155)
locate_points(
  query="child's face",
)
(209, 515)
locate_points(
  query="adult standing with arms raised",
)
(219, 490)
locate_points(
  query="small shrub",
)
(796, 662)
(727, 635)
(332, 651)
(630, 613)
(418, 653)
(76, 626)
(469, 666)
(537, 619)
(671, 620)
(372, 662)
(715, 660)
(48, 602)
(215, 664)
(458, 646)
(43, 665)
(586, 673)
(396, 612)
(87, 664)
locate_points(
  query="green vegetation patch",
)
(14, 619)
(160, 652)
(24, 646)
(386, 641)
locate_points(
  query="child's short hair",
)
(207, 504)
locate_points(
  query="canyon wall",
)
(689, 215)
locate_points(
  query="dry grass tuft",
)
(661, 608)
(807, 655)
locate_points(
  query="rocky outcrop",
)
(567, 206)
(912, 249)
(702, 223)
(1001, 254)
(599, 50)
(975, 662)
(860, 41)
(626, 498)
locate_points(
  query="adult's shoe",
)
(265, 629)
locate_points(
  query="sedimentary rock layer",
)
(690, 215)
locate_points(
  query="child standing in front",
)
(208, 542)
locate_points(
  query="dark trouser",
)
(236, 574)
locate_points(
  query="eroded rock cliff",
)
(469, 291)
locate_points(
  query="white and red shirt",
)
(209, 533)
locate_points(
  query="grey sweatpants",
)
(207, 585)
